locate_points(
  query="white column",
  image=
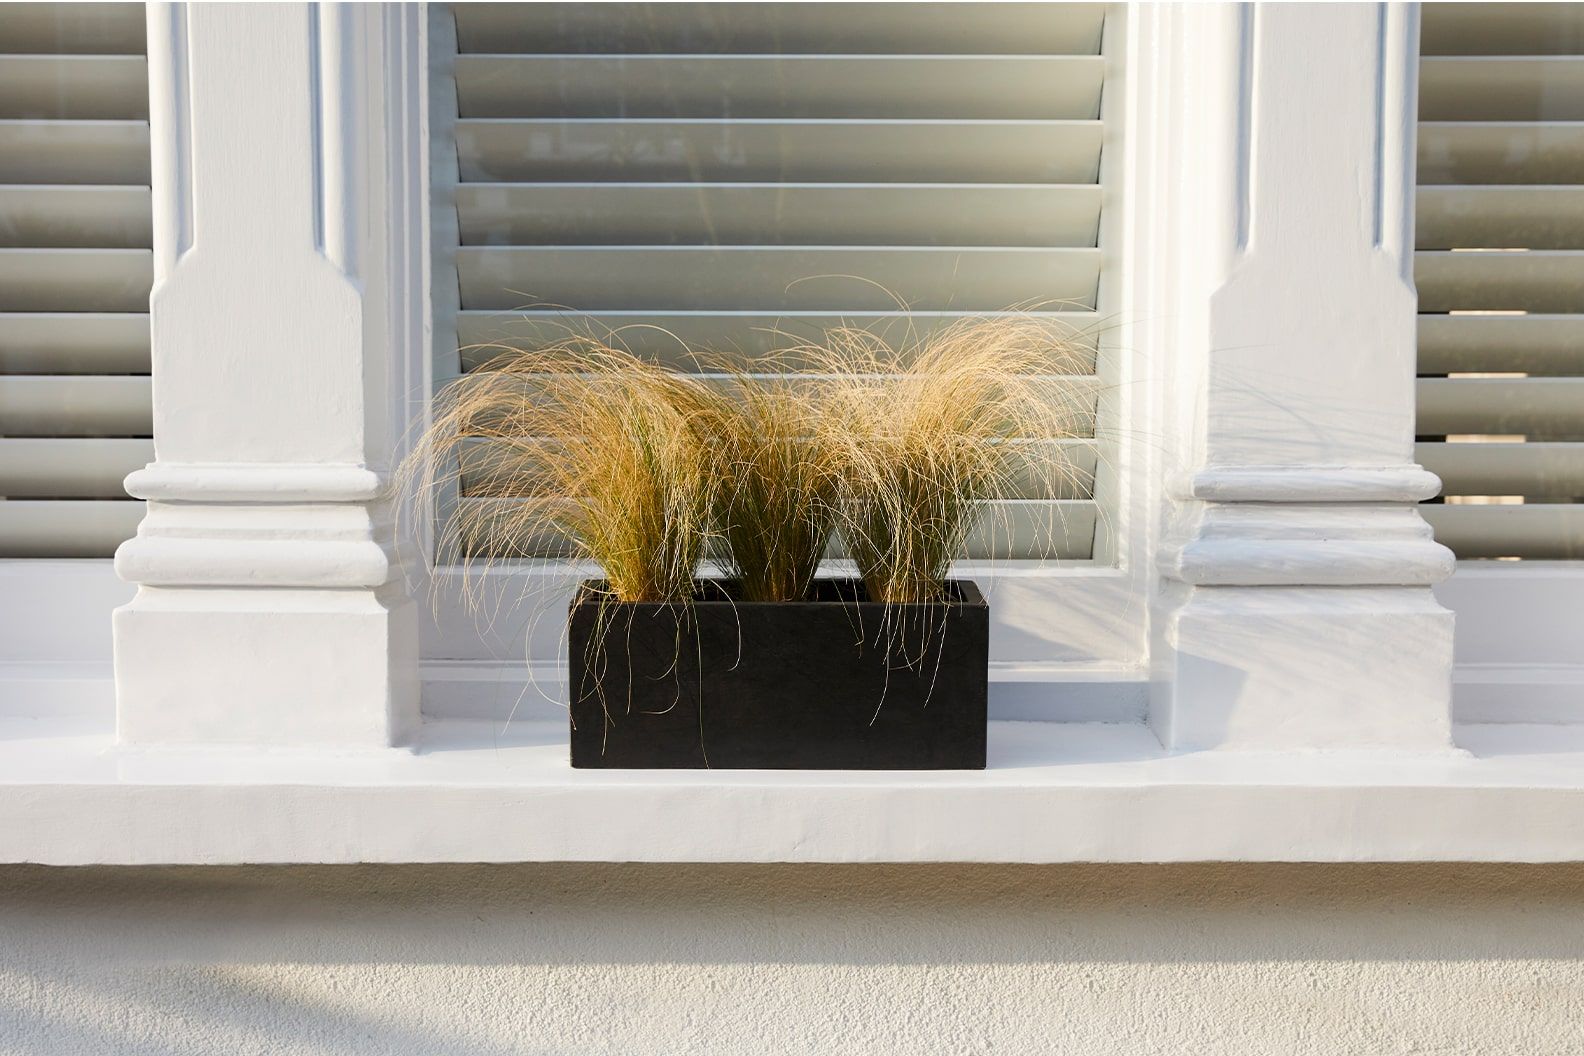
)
(287, 319)
(1295, 609)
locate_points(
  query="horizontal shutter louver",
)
(1500, 272)
(1499, 152)
(74, 29)
(75, 272)
(785, 214)
(71, 467)
(772, 278)
(66, 87)
(79, 528)
(780, 86)
(75, 217)
(768, 150)
(56, 153)
(742, 176)
(796, 29)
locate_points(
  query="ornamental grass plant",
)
(776, 479)
(927, 431)
(581, 448)
(589, 451)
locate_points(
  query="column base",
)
(272, 667)
(1293, 668)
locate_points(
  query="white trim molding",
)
(1295, 609)
(1307, 484)
(1068, 639)
(1307, 526)
(1054, 792)
(288, 162)
(1520, 641)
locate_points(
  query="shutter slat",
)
(1535, 469)
(1530, 344)
(55, 528)
(1493, 216)
(667, 337)
(1546, 531)
(865, 28)
(1059, 529)
(71, 468)
(784, 86)
(1532, 281)
(86, 280)
(778, 214)
(1500, 152)
(741, 149)
(1502, 29)
(89, 152)
(1054, 528)
(829, 278)
(104, 29)
(74, 343)
(48, 405)
(1539, 408)
(90, 87)
(1498, 88)
(112, 217)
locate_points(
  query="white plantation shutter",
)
(1500, 271)
(726, 171)
(75, 270)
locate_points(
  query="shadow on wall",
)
(486, 960)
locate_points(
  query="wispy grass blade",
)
(602, 449)
(928, 432)
(777, 478)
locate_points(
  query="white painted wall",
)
(631, 960)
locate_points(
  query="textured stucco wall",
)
(486, 961)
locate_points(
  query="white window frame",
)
(1518, 648)
(55, 645)
(1068, 637)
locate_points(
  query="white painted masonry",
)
(1298, 571)
(1283, 401)
(1265, 673)
(270, 608)
(1213, 960)
(1268, 637)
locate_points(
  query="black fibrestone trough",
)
(834, 683)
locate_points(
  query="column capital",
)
(1304, 526)
(1276, 483)
(316, 525)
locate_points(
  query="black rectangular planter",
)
(834, 683)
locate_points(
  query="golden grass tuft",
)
(776, 480)
(604, 451)
(930, 429)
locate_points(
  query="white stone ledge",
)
(1054, 793)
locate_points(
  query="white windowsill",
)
(1054, 792)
